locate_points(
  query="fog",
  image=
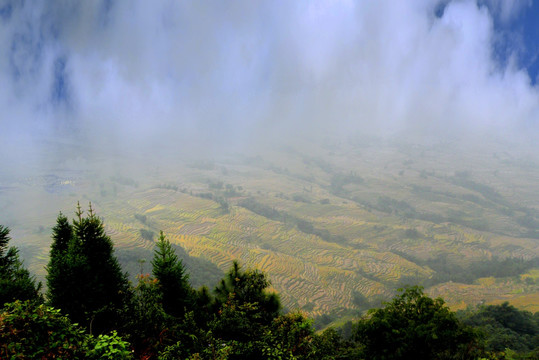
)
(129, 75)
(339, 125)
(192, 79)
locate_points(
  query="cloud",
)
(126, 76)
(507, 10)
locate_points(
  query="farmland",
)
(337, 225)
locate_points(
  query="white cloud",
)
(142, 73)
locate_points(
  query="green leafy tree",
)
(203, 306)
(28, 331)
(330, 345)
(415, 326)
(505, 327)
(290, 336)
(248, 287)
(15, 280)
(84, 278)
(31, 331)
(149, 325)
(240, 323)
(111, 347)
(173, 280)
(244, 310)
(192, 341)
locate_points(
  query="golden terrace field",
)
(338, 227)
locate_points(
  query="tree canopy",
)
(15, 280)
(84, 277)
(414, 326)
(504, 327)
(173, 280)
(163, 317)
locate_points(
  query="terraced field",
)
(337, 226)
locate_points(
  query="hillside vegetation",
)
(337, 225)
(91, 311)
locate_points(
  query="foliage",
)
(413, 325)
(331, 344)
(173, 280)
(110, 347)
(85, 279)
(338, 181)
(258, 208)
(447, 270)
(290, 336)
(62, 233)
(148, 323)
(142, 218)
(137, 260)
(190, 339)
(147, 234)
(241, 324)
(248, 288)
(303, 225)
(204, 306)
(505, 327)
(58, 285)
(29, 331)
(15, 280)
(243, 311)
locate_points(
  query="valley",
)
(337, 225)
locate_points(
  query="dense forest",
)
(90, 310)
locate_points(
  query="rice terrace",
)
(337, 228)
(299, 180)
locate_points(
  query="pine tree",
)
(248, 287)
(170, 272)
(57, 283)
(61, 235)
(243, 305)
(84, 278)
(15, 280)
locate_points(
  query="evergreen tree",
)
(85, 279)
(15, 280)
(248, 287)
(170, 272)
(61, 236)
(243, 305)
(57, 283)
(149, 325)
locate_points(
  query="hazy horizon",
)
(97, 96)
(203, 77)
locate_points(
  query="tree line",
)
(91, 311)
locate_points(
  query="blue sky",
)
(527, 24)
(518, 35)
(132, 75)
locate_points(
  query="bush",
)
(110, 347)
(30, 331)
(414, 326)
(39, 332)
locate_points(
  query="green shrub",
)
(29, 331)
(110, 347)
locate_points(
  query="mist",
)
(371, 138)
(118, 87)
(202, 77)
